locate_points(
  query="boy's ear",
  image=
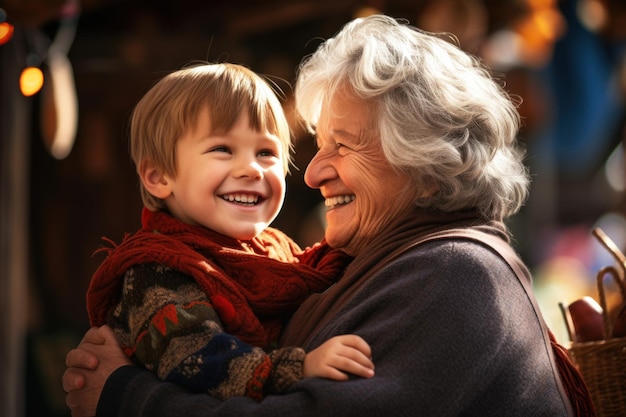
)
(154, 181)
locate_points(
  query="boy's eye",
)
(267, 152)
(219, 149)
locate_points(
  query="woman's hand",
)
(88, 367)
(338, 357)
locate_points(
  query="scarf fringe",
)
(573, 382)
(112, 245)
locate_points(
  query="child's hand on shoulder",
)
(340, 357)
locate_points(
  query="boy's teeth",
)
(241, 198)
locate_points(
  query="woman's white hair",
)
(440, 116)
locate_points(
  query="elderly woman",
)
(414, 140)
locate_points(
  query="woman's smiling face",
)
(361, 189)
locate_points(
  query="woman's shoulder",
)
(468, 269)
(455, 252)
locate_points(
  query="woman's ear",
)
(155, 181)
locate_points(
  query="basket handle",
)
(569, 326)
(608, 243)
(610, 270)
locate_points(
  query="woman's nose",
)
(318, 170)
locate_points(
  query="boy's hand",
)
(338, 357)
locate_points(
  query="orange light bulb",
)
(31, 81)
(6, 32)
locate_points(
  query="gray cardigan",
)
(452, 332)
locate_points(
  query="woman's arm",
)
(89, 366)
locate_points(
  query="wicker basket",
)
(603, 363)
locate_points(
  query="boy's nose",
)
(248, 169)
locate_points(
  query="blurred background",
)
(71, 72)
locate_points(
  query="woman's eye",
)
(342, 146)
(343, 149)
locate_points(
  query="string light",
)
(6, 32)
(31, 78)
(31, 81)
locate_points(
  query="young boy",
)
(200, 291)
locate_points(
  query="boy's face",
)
(232, 183)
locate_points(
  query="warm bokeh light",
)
(593, 14)
(529, 40)
(541, 28)
(61, 81)
(6, 32)
(31, 81)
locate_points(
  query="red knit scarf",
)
(254, 285)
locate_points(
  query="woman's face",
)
(362, 191)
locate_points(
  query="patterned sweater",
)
(198, 309)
